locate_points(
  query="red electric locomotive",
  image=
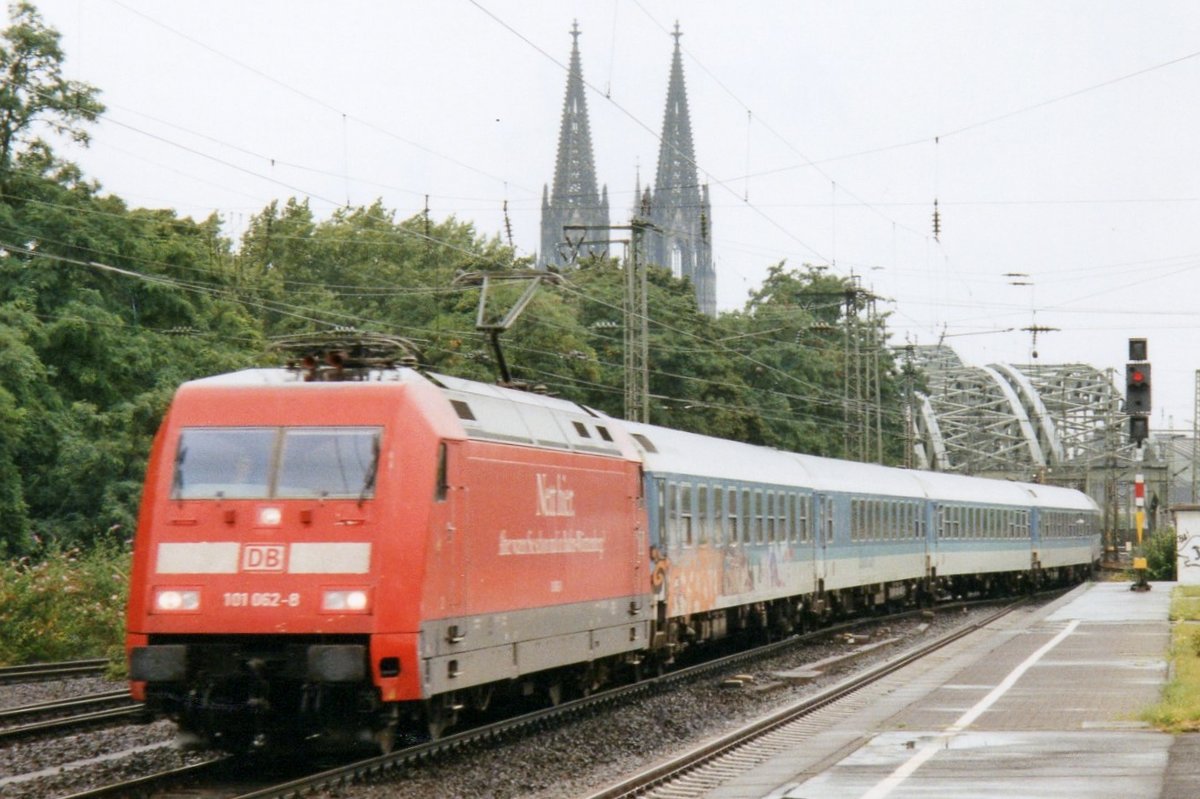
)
(344, 559)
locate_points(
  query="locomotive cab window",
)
(276, 463)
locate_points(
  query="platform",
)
(1042, 703)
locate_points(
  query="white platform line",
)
(907, 769)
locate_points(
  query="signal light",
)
(1139, 429)
(1137, 388)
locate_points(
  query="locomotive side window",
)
(443, 483)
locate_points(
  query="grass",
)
(1179, 708)
(64, 605)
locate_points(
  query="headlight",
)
(176, 600)
(346, 600)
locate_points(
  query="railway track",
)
(247, 782)
(30, 720)
(155, 783)
(492, 734)
(34, 672)
(705, 768)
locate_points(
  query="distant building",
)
(574, 199)
(677, 205)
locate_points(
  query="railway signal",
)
(1137, 391)
(1137, 388)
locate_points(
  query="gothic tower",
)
(679, 205)
(574, 199)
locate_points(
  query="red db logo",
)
(262, 557)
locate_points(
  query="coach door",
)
(824, 536)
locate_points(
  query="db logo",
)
(262, 557)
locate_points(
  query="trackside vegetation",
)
(1179, 709)
(64, 604)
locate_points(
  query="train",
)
(333, 555)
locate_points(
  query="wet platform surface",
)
(1043, 703)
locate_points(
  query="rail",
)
(53, 671)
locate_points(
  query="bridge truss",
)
(1014, 421)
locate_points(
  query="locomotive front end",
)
(256, 593)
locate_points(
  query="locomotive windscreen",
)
(276, 462)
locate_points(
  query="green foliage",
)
(105, 310)
(1160, 554)
(1179, 708)
(33, 91)
(67, 604)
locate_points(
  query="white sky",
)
(1067, 140)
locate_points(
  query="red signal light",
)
(1138, 376)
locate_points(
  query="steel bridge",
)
(1019, 422)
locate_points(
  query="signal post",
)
(1137, 405)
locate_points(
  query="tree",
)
(33, 91)
(794, 334)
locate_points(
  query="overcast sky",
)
(1061, 140)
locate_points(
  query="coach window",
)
(746, 513)
(673, 514)
(793, 517)
(661, 504)
(793, 533)
(732, 510)
(703, 515)
(783, 502)
(756, 505)
(802, 516)
(770, 518)
(718, 516)
(685, 513)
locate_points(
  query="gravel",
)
(584, 756)
(573, 760)
(67, 764)
(31, 693)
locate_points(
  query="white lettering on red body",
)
(554, 499)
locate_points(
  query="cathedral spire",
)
(680, 206)
(574, 197)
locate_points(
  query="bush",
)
(1160, 555)
(64, 605)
